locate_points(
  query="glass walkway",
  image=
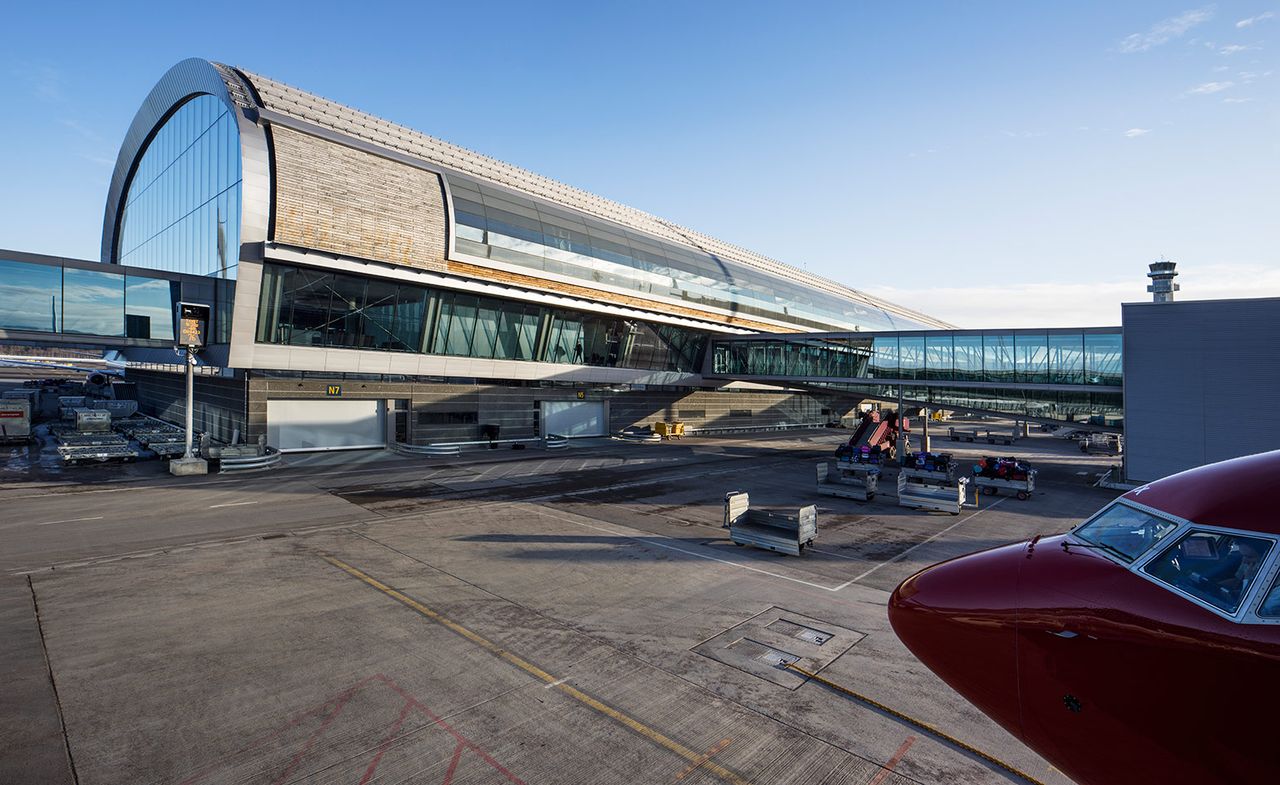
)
(1049, 374)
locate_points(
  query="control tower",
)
(1162, 286)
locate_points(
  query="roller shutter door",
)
(574, 418)
(325, 425)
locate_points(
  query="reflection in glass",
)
(304, 307)
(884, 356)
(94, 302)
(997, 358)
(1032, 358)
(30, 296)
(911, 357)
(148, 307)
(939, 356)
(182, 208)
(968, 358)
(1102, 359)
(1066, 359)
(500, 225)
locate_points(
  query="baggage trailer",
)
(1002, 437)
(15, 421)
(784, 532)
(963, 434)
(857, 483)
(993, 485)
(921, 496)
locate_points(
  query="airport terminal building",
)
(370, 285)
(375, 283)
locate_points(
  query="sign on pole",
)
(193, 325)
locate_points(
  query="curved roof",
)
(1234, 494)
(247, 90)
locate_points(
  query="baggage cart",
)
(1001, 437)
(857, 483)
(963, 434)
(922, 496)
(783, 532)
(993, 485)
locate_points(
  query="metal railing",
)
(249, 463)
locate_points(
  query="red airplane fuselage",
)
(1145, 650)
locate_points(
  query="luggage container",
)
(91, 420)
(922, 496)
(857, 482)
(993, 485)
(783, 532)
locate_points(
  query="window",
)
(693, 414)
(1124, 531)
(30, 297)
(1214, 567)
(747, 412)
(182, 208)
(94, 302)
(1270, 607)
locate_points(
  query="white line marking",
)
(230, 504)
(902, 555)
(555, 683)
(73, 520)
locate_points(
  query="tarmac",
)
(500, 616)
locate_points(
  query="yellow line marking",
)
(692, 767)
(921, 724)
(534, 670)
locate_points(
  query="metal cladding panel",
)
(325, 424)
(1201, 378)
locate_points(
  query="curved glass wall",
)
(307, 307)
(182, 208)
(519, 230)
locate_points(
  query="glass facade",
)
(506, 227)
(1099, 406)
(1075, 358)
(182, 208)
(53, 298)
(308, 307)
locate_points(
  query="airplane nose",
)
(959, 618)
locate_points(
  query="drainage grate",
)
(755, 650)
(801, 632)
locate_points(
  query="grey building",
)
(1201, 383)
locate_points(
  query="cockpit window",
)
(1125, 531)
(1270, 606)
(1212, 566)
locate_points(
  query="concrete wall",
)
(1201, 383)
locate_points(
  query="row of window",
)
(1218, 568)
(502, 226)
(308, 307)
(1035, 358)
(182, 209)
(1101, 407)
(54, 299)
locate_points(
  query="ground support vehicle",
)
(848, 480)
(993, 485)
(931, 496)
(784, 532)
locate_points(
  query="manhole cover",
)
(767, 643)
(806, 634)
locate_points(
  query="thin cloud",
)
(1236, 100)
(1165, 30)
(44, 82)
(1209, 88)
(1254, 19)
(1235, 49)
(1133, 133)
(1079, 304)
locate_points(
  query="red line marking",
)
(715, 749)
(894, 761)
(386, 742)
(330, 709)
(453, 764)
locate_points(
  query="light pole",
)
(193, 324)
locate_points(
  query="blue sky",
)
(994, 164)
